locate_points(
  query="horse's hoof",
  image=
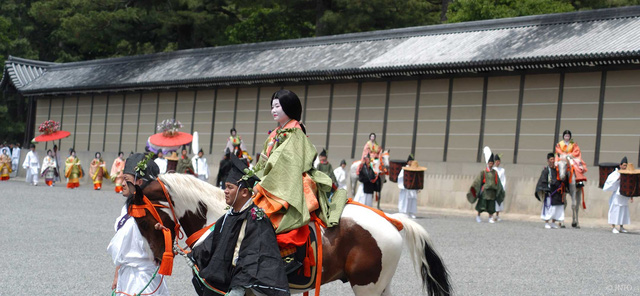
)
(575, 225)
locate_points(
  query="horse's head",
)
(562, 163)
(385, 157)
(140, 205)
(194, 204)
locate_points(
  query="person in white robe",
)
(161, 162)
(15, 159)
(341, 175)
(618, 203)
(200, 166)
(32, 165)
(503, 181)
(129, 250)
(408, 199)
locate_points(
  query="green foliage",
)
(470, 10)
(346, 16)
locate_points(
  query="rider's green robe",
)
(280, 170)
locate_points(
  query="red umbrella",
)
(178, 139)
(52, 136)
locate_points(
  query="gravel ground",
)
(54, 242)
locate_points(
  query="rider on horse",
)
(568, 147)
(291, 188)
(241, 253)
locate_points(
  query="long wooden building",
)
(441, 92)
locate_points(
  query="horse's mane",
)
(188, 192)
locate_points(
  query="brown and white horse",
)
(364, 249)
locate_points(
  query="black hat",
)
(227, 152)
(410, 158)
(491, 158)
(136, 160)
(323, 153)
(237, 173)
(550, 155)
(289, 102)
(32, 145)
(497, 157)
(343, 162)
(567, 132)
(201, 151)
(624, 160)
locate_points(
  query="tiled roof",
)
(557, 40)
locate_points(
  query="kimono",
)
(129, 250)
(201, 168)
(341, 177)
(98, 171)
(408, 199)
(184, 165)
(73, 172)
(116, 174)
(368, 185)
(15, 160)
(486, 190)
(503, 180)
(291, 188)
(327, 168)
(549, 191)
(578, 164)
(32, 165)
(5, 167)
(49, 170)
(618, 203)
(372, 149)
(241, 251)
(236, 146)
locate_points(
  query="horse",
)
(379, 167)
(364, 249)
(567, 174)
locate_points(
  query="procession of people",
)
(291, 184)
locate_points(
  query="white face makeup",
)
(277, 112)
(567, 137)
(372, 137)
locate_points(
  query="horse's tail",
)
(426, 260)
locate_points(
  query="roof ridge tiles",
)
(441, 29)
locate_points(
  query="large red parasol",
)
(177, 139)
(52, 136)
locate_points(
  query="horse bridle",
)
(138, 211)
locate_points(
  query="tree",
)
(471, 10)
(345, 16)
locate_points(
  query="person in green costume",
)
(184, 163)
(291, 188)
(326, 167)
(486, 190)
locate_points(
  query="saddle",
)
(299, 251)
